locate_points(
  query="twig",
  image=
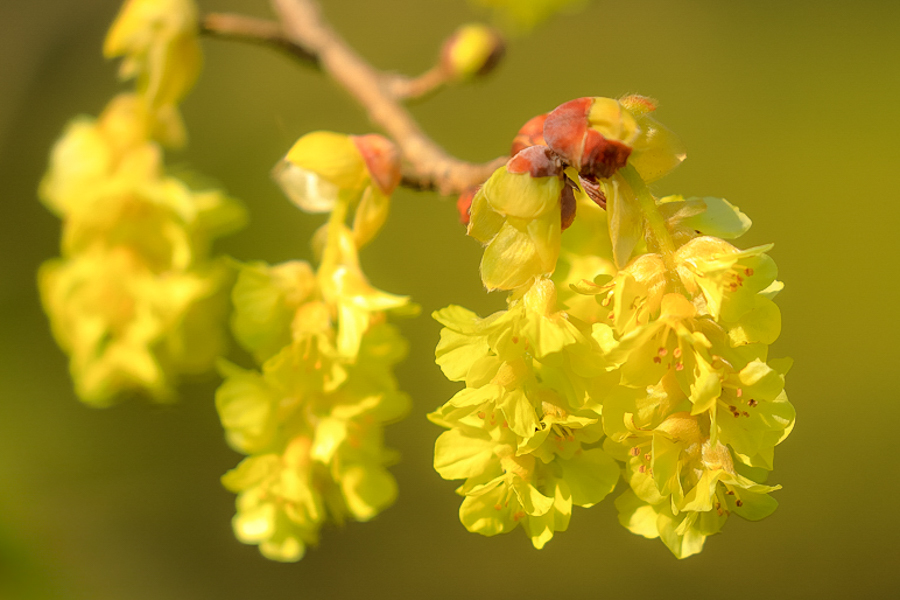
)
(259, 31)
(418, 88)
(303, 33)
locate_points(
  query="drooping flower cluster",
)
(135, 299)
(311, 418)
(655, 353)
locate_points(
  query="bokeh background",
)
(788, 109)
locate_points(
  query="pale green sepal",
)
(754, 505)
(625, 220)
(721, 219)
(522, 196)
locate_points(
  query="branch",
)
(304, 33)
(258, 31)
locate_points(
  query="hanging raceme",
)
(135, 299)
(633, 352)
(310, 419)
(655, 357)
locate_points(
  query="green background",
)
(788, 109)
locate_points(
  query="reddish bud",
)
(464, 203)
(382, 160)
(537, 161)
(531, 134)
(590, 134)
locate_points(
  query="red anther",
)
(515, 339)
(635, 451)
(464, 204)
(657, 359)
(662, 351)
(537, 161)
(739, 392)
(677, 353)
(481, 414)
(531, 134)
(567, 206)
(748, 271)
(751, 403)
(679, 366)
(739, 503)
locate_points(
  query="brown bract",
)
(567, 130)
(531, 134)
(382, 160)
(537, 161)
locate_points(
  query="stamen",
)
(739, 503)
(748, 271)
(635, 451)
(751, 403)
(662, 351)
(515, 339)
(677, 352)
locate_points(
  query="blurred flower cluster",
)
(635, 342)
(311, 417)
(135, 298)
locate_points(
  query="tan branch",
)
(418, 88)
(429, 166)
(259, 31)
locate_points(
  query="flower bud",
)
(531, 134)
(472, 50)
(318, 167)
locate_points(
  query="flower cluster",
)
(311, 418)
(135, 299)
(654, 355)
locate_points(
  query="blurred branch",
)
(258, 31)
(417, 88)
(305, 34)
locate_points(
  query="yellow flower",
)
(158, 40)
